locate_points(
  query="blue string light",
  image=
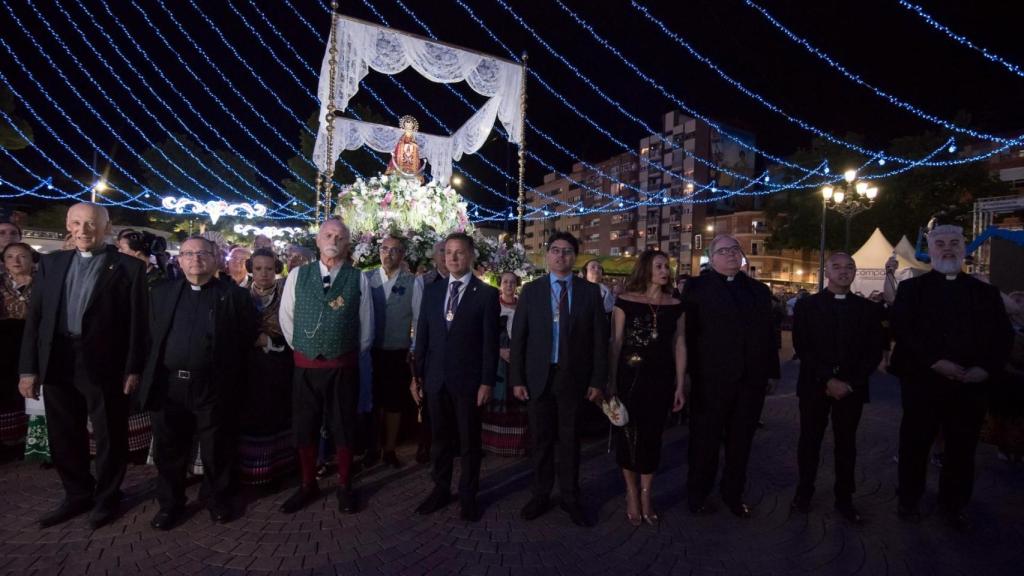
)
(960, 39)
(855, 77)
(126, 117)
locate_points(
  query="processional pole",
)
(325, 179)
(522, 154)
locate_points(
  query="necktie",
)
(563, 321)
(327, 283)
(453, 301)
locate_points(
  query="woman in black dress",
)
(15, 293)
(647, 363)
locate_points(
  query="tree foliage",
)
(9, 136)
(905, 201)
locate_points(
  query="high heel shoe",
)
(652, 518)
(634, 519)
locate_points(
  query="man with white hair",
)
(327, 318)
(85, 341)
(952, 337)
(730, 339)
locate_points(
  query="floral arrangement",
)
(508, 256)
(391, 204)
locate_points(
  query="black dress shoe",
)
(908, 512)
(535, 508)
(468, 510)
(437, 499)
(698, 507)
(391, 459)
(576, 514)
(101, 516)
(346, 500)
(960, 521)
(220, 513)
(740, 510)
(300, 499)
(849, 512)
(67, 510)
(802, 504)
(166, 519)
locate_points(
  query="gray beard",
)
(945, 266)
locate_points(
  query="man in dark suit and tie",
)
(731, 356)
(201, 330)
(457, 361)
(559, 352)
(838, 337)
(84, 340)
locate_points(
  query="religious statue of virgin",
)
(405, 158)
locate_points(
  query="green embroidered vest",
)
(326, 325)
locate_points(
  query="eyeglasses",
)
(196, 254)
(391, 250)
(728, 250)
(561, 251)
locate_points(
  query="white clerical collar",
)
(730, 278)
(195, 287)
(950, 276)
(85, 254)
(839, 296)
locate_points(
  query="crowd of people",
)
(250, 367)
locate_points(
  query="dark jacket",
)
(918, 329)
(531, 346)
(852, 358)
(465, 356)
(113, 324)
(724, 346)
(235, 328)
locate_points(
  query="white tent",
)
(871, 259)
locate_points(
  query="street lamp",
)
(99, 186)
(849, 198)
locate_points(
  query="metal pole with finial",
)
(328, 176)
(522, 155)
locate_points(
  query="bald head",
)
(88, 224)
(840, 269)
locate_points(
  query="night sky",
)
(883, 42)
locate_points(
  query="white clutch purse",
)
(616, 411)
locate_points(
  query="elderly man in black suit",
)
(952, 337)
(732, 357)
(838, 337)
(457, 361)
(559, 356)
(85, 341)
(201, 329)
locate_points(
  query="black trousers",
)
(190, 410)
(554, 419)
(455, 427)
(958, 410)
(70, 397)
(325, 396)
(814, 416)
(728, 415)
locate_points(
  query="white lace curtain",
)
(363, 46)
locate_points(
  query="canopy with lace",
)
(362, 46)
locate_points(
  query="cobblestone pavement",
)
(386, 537)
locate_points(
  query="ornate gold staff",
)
(522, 153)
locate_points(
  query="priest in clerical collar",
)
(732, 356)
(84, 341)
(952, 336)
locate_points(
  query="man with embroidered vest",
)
(952, 338)
(327, 317)
(838, 337)
(201, 329)
(396, 306)
(559, 357)
(84, 341)
(457, 362)
(731, 357)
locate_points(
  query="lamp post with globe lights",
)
(849, 198)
